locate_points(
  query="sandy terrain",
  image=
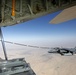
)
(44, 63)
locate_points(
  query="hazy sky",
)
(40, 32)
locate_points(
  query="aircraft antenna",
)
(3, 44)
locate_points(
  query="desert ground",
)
(44, 63)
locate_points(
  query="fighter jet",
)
(63, 51)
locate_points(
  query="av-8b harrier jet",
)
(63, 51)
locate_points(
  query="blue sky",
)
(40, 32)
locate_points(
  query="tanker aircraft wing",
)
(13, 12)
(65, 15)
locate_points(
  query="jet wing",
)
(65, 15)
(13, 12)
